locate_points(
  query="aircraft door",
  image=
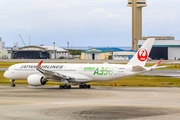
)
(80, 70)
(116, 71)
(13, 69)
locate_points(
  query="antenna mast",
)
(29, 40)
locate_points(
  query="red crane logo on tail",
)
(142, 54)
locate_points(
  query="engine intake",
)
(36, 80)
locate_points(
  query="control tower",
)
(136, 20)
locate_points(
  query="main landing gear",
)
(64, 87)
(81, 86)
(13, 84)
(84, 86)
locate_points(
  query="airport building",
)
(136, 21)
(2, 44)
(31, 52)
(107, 54)
(3, 52)
(123, 55)
(36, 52)
(164, 48)
(99, 53)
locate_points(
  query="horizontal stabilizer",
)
(160, 67)
(138, 68)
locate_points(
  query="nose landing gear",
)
(13, 84)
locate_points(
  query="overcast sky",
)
(84, 22)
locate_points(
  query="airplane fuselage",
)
(82, 72)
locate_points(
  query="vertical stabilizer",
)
(142, 54)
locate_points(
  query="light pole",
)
(12, 52)
(68, 48)
(54, 50)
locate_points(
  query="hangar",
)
(164, 49)
(123, 55)
(36, 52)
(99, 53)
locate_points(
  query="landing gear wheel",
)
(84, 86)
(13, 85)
(60, 87)
(65, 86)
(80, 86)
(69, 87)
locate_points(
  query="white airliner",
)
(80, 74)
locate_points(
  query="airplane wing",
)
(51, 74)
(55, 76)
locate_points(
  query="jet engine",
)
(36, 80)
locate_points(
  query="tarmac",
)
(97, 103)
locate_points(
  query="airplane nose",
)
(5, 75)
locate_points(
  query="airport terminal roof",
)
(58, 49)
(162, 43)
(35, 48)
(101, 50)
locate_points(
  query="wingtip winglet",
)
(39, 65)
(156, 64)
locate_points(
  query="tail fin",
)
(141, 56)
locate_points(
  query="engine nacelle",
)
(36, 80)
